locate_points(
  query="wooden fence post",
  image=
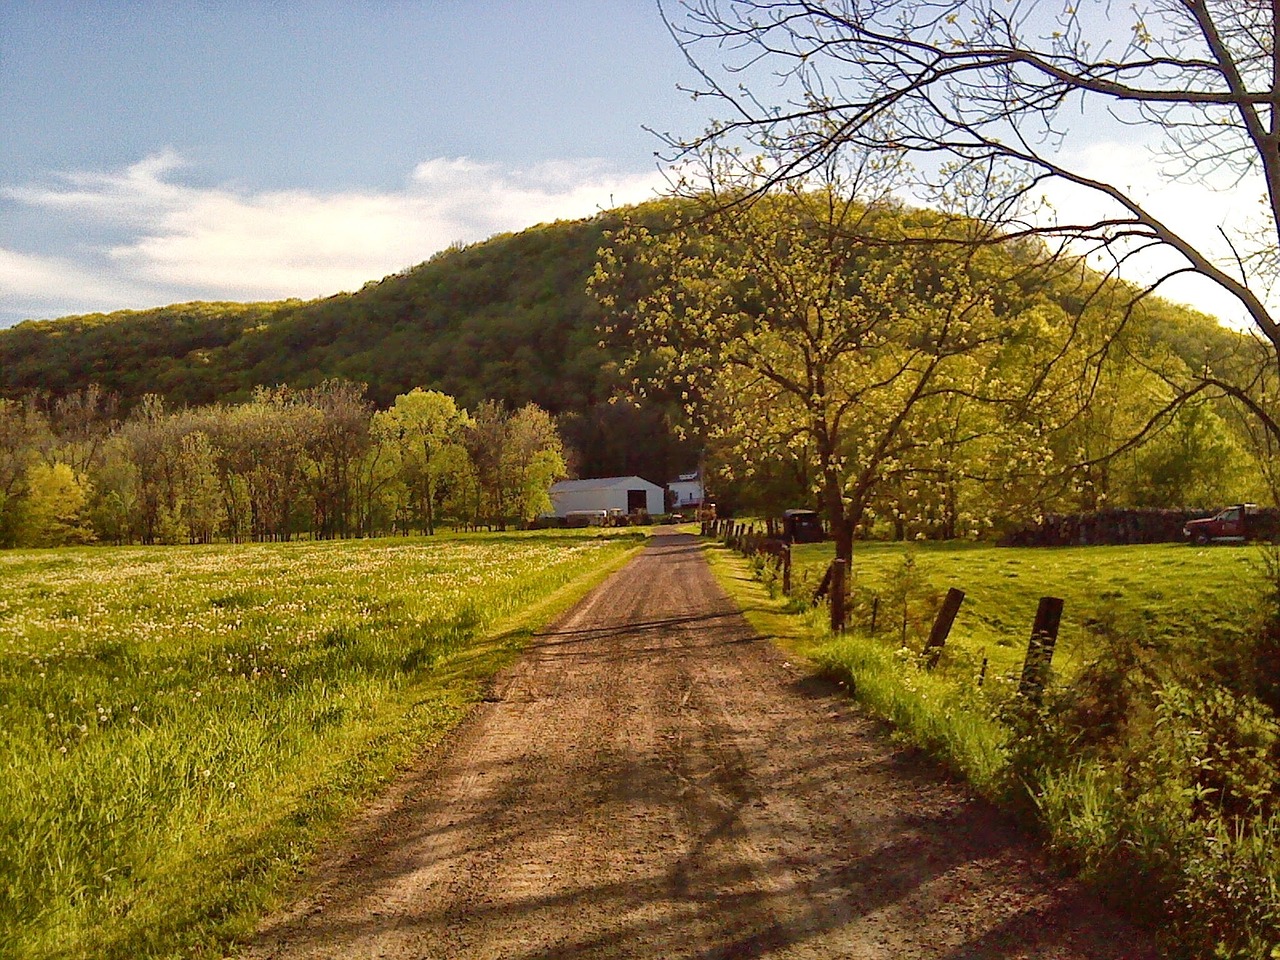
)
(875, 611)
(837, 595)
(786, 570)
(1044, 636)
(942, 626)
(825, 585)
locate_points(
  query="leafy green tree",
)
(114, 512)
(152, 440)
(341, 440)
(515, 457)
(201, 505)
(426, 429)
(54, 512)
(1194, 462)
(82, 422)
(376, 489)
(24, 437)
(266, 442)
(535, 460)
(776, 315)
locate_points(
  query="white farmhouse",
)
(623, 494)
(687, 491)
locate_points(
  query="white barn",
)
(627, 494)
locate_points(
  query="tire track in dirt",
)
(652, 780)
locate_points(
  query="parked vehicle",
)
(1235, 524)
(802, 526)
(587, 518)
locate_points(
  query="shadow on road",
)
(655, 784)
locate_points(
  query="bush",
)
(1175, 784)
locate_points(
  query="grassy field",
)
(1152, 772)
(1168, 594)
(179, 726)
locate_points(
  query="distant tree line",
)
(320, 461)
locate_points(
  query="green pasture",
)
(1169, 595)
(1154, 777)
(180, 725)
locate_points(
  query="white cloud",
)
(176, 241)
(53, 286)
(136, 195)
(1199, 210)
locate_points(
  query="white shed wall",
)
(608, 498)
(687, 492)
(656, 497)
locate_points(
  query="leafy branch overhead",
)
(985, 94)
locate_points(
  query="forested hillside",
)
(511, 320)
(508, 316)
(508, 319)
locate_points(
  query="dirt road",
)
(653, 781)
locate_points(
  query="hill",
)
(508, 318)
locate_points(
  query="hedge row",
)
(1112, 527)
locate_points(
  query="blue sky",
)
(156, 152)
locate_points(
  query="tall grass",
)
(178, 724)
(940, 714)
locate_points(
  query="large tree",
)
(514, 457)
(985, 93)
(789, 333)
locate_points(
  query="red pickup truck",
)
(1244, 521)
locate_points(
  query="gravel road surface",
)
(652, 780)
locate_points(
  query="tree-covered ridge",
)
(511, 313)
(510, 319)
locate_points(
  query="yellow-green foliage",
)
(176, 724)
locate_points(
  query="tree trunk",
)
(841, 528)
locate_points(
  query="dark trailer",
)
(802, 526)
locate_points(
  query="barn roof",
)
(598, 483)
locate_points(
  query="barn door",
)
(636, 500)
